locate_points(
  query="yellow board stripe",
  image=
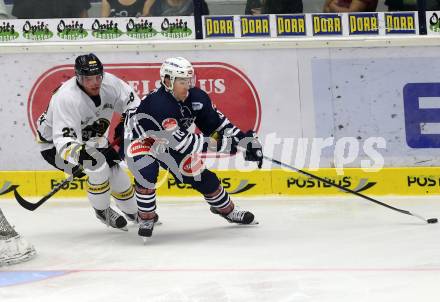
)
(395, 181)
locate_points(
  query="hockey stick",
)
(430, 220)
(32, 206)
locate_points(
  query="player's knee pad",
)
(206, 184)
(99, 194)
(145, 198)
(122, 190)
(119, 180)
(219, 199)
(100, 175)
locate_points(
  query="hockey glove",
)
(94, 159)
(78, 172)
(254, 149)
(119, 131)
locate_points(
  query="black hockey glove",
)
(254, 150)
(119, 131)
(95, 158)
(78, 172)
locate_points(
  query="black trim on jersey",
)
(42, 139)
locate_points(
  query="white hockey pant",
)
(107, 181)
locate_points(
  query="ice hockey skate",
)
(134, 218)
(112, 218)
(236, 216)
(146, 228)
(131, 217)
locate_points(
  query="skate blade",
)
(125, 229)
(237, 223)
(252, 223)
(144, 240)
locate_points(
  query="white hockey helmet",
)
(177, 67)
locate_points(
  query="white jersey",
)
(72, 117)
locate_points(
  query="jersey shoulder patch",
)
(199, 99)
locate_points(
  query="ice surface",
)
(315, 249)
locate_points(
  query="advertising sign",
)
(221, 81)
(291, 25)
(98, 29)
(327, 24)
(254, 26)
(390, 100)
(398, 23)
(363, 23)
(219, 27)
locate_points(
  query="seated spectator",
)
(257, 7)
(176, 8)
(3, 12)
(348, 6)
(410, 5)
(45, 9)
(126, 8)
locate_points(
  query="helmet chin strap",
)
(169, 89)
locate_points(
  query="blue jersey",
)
(161, 117)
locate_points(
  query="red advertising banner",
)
(229, 88)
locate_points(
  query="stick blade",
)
(24, 203)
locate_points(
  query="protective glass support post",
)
(198, 8)
(421, 7)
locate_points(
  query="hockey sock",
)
(146, 200)
(99, 195)
(220, 200)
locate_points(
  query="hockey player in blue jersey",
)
(158, 135)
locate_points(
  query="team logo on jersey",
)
(107, 106)
(98, 128)
(169, 124)
(196, 106)
(139, 148)
(192, 165)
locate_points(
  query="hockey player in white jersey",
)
(73, 136)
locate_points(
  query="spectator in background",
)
(45, 9)
(258, 7)
(410, 5)
(176, 8)
(348, 6)
(126, 8)
(3, 11)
